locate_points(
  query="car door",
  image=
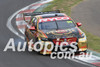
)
(32, 34)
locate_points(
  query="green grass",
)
(65, 7)
(93, 42)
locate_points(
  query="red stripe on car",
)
(69, 40)
(53, 19)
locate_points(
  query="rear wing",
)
(40, 13)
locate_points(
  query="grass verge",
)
(65, 7)
(93, 42)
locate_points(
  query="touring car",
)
(48, 26)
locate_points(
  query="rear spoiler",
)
(40, 13)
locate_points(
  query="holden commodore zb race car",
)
(48, 26)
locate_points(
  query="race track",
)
(23, 59)
(88, 13)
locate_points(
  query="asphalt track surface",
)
(88, 13)
(23, 59)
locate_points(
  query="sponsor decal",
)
(68, 31)
(53, 19)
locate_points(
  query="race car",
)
(50, 25)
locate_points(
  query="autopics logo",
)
(57, 51)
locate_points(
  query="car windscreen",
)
(55, 25)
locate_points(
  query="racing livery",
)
(48, 26)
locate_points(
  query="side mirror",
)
(79, 24)
(32, 28)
